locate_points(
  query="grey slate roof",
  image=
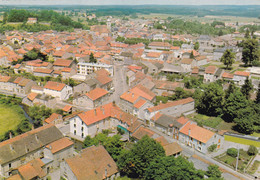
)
(28, 142)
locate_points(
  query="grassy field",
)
(207, 19)
(241, 141)
(206, 120)
(9, 118)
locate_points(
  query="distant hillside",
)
(220, 10)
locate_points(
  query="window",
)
(82, 121)
(82, 135)
(10, 165)
(74, 125)
(82, 128)
(74, 132)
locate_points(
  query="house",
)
(204, 41)
(187, 64)
(89, 68)
(58, 90)
(201, 60)
(42, 99)
(129, 98)
(227, 76)
(104, 81)
(41, 72)
(54, 119)
(22, 85)
(240, 77)
(32, 20)
(60, 64)
(199, 138)
(92, 122)
(92, 99)
(59, 150)
(26, 147)
(153, 67)
(172, 149)
(174, 108)
(140, 106)
(85, 86)
(159, 45)
(166, 87)
(209, 73)
(92, 163)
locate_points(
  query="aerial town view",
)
(129, 90)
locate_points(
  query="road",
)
(119, 81)
(189, 152)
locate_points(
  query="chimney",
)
(103, 110)
(133, 94)
(120, 116)
(95, 112)
(106, 172)
(132, 121)
(10, 135)
(189, 131)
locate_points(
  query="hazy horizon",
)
(129, 2)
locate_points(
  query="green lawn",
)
(254, 167)
(206, 120)
(242, 141)
(10, 117)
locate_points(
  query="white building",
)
(89, 68)
(58, 90)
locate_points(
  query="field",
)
(9, 118)
(242, 141)
(212, 122)
(207, 19)
(243, 161)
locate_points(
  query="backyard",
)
(243, 160)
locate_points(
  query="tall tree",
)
(214, 172)
(247, 87)
(247, 34)
(212, 99)
(191, 55)
(165, 168)
(250, 51)
(196, 46)
(228, 58)
(234, 102)
(92, 59)
(135, 161)
(257, 100)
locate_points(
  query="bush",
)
(120, 131)
(232, 152)
(252, 150)
(212, 147)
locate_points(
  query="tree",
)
(252, 150)
(196, 46)
(191, 55)
(228, 58)
(212, 99)
(234, 102)
(214, 172)
(135, 161)
(246, 88)
(250, 51)
(220, 33)
(247, 35)
(113, 145)
(92, 59)
(5, 17)
(165, 168)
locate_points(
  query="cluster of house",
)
(38, 152)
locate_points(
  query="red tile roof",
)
(170, 104)
(242, 73)
(62, 62)
(141, 132)
(67, 108)
(32, 96)
(143, 92)
(139, 103)
(43, 70)
(96, 93)
(210, 69)
(192, 130)
(59, 145)
(56, 86)
(53, 117)
(227, 75)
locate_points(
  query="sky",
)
(129, 2)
